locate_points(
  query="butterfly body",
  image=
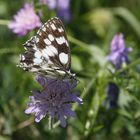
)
(48, 52)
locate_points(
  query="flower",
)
(112, 95)
(119, 52)
(55, 99)
(62, 7)
(25, 20)
(64, 14)
(51, 3)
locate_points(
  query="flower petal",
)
(62, 120)
(25, 20)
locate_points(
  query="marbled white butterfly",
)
(48, 52)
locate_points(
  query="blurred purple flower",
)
(55, 99)
(119, 52)
(62, 7)
(112, 95)
(25, 20)
(51, 3)
(64, 14)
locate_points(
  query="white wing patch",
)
(60, 29)
(53, 26)
(38, 54)
(53, 49)
(44, 54)
(63, 58)
(61, 40)
(47, 41)
(44, 29)
(37, 60)
(51, 38)
(37, 39)
(49, 51)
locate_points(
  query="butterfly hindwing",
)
(48, 52)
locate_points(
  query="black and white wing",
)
(48, 52)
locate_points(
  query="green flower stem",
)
(92, 114)
(129, 66)
(56, 124)
(50, 123)
(4, 22)
(77, 42)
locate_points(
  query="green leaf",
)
(129, 17)
(76, 63)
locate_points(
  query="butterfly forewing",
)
(48, 52)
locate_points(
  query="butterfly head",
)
(70, 75)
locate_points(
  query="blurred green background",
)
(93, 24)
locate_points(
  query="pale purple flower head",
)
(25, 20)
(55, 100)
(62, 7)
(119, 52)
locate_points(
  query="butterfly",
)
(48, 52)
